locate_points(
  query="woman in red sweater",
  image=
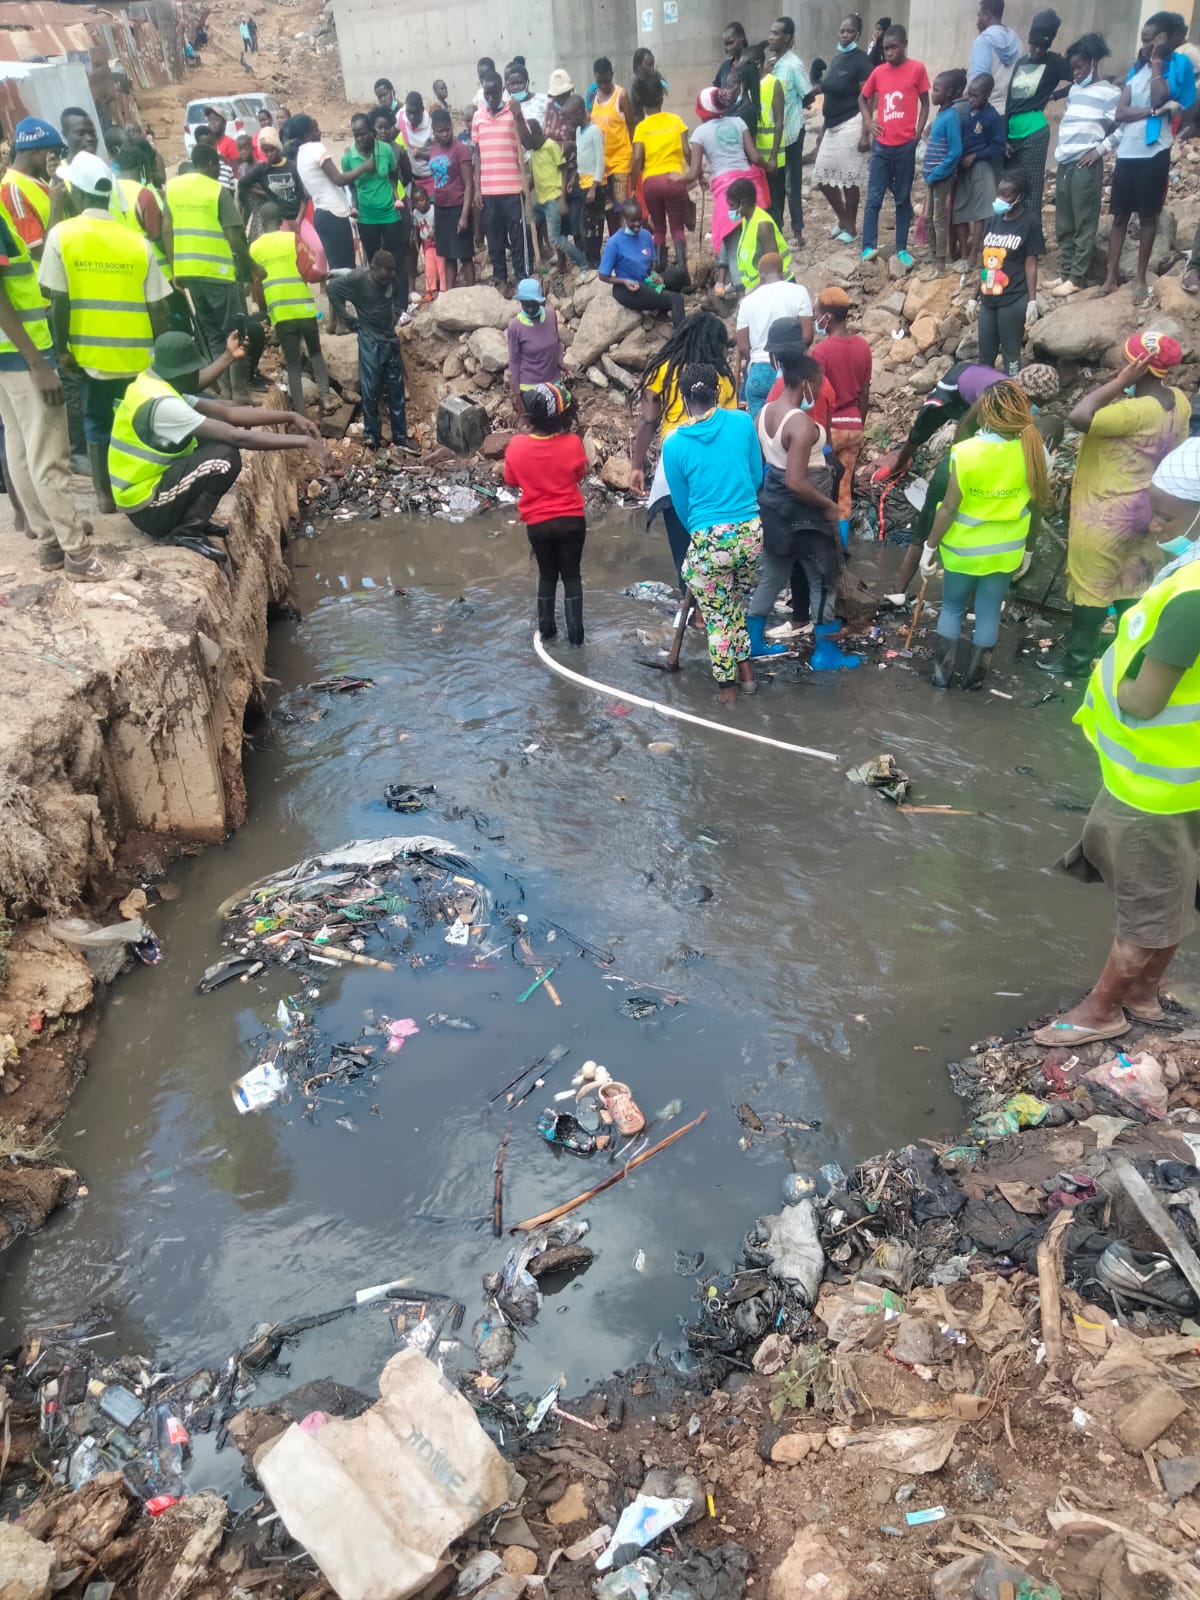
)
(547, 466)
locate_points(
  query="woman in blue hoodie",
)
(714, 468)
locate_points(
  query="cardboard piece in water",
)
(377, 1500)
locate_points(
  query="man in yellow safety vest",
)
(25, 189)
(107, 302)
(290, 304)
(176, 451)
(35, 418)
(1142, 716)
(205, 238)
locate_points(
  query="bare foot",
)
(1106, 288)
(727, 694)
(1140, 292)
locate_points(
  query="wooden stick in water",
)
(916, 616)
(498, 1184)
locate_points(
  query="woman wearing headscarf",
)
(998, 488)
(713, 467)
(726, 146)
(1130, 424)
(1035, 82)
(1142, 835)
(843, 150)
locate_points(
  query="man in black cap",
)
(175, 452)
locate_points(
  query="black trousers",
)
(558, 550)
(189, 490)
(644, 298)
(218, 305)
(505, 231)
(393, 237)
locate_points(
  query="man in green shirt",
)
(383, 217)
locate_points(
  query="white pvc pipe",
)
(669, 711)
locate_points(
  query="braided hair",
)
(701, 338)
(1004, 408)
(700, 384)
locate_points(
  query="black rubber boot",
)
(977, 668)
(98, 463)
(201, 546)
(660, 259)
(944, 653)
(1080, 647)
(681, 260)
(573, 607)
(547, 626)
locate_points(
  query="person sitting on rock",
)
(175, 451)
(628, 264)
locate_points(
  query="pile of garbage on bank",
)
(904, 1341)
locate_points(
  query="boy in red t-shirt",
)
(895, 108)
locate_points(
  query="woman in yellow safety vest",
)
(761, 107)
(759, 235)
(1142, 716)
(999, 486)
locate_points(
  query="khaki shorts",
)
(1150, 862)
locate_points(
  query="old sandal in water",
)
(618, 1106)
(1076, 1033)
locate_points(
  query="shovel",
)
(671, 664)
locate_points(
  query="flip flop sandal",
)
(1075, 1033)
(1141, 1275)
(618, 1106)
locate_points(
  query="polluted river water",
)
(833, 955)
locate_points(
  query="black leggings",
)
(558, 550)
(1001, 331)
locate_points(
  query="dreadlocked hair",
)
(1004, 408)
(702, 339)
(747, 74)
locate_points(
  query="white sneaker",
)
(789, 630)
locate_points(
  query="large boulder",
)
(1161, 255)
(1084, 327)
(584, 293)
(464, 310)
(341, 358)
(603, 324)
(637, 348)
(26, 1565)
(929, 297)
(490, 348)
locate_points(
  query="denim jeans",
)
(989, 591)
(100, 397)
(380, 367)
(892, 167)
(760, 380)
(549, 212)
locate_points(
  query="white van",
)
(240, 111)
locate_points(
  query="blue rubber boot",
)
(844, 531)
(826, 656)
(755, 627)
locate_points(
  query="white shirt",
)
(52, 275)
(589, 154)
(326, 195)
(767, 304)
(174, 418)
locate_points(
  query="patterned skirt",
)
(840, 164)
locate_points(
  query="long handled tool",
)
(589, 1194)
(916, 616)
(671, 664)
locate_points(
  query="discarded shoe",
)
(564, 1130)
(1142, 1275)
(618, 1106)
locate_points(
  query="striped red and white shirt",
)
(494, 135)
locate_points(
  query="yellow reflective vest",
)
(1152, 765)
(992, 522)
(198, 243)
(748, 251)
(28, 301)
(287, 295)
(131, 193)
(106, 266)
(764, 138)
(33, 191)
(135, 465)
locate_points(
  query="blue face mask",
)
(847, 48)
(1131, 389)
(1182, 543)
(520, 97)
(806, 405)
(1001, 207)
(734, 216)
(1083, 82)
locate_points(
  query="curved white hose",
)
(669, 711)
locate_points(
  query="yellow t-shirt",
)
(546, 165)
(661, 136)
(674, 411)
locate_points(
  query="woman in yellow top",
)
(702, 338)
(613, 115)
(661, 154)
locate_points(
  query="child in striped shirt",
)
(1085, 136)
(942, 153)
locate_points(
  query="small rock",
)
(1180, 1477)
(597, 376)
(490, 348)
(791, 1449)
(570, 1507)
(25, 1565)
(615, 472)
(811, 1568)
(483, 379)
(622, 379)
(452, 366)
(495, 445)
(520, 1563)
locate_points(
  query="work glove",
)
(972, 309)
(929, 561)
(1031, 313)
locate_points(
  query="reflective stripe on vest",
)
(135, 468)
(764, 138)
(991, 526)
(1151, 764)
(26, 299)
(748, 252)
(198, 244)
(106, 266)
(131, 192)
(33, 191)
(288, 297)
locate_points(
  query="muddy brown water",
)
(846, 953)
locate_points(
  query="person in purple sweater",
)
(534, 346)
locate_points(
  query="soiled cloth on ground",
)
(1150, 862)
(1110, 554)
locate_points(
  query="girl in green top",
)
(1035, 82)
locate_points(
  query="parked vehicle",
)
(240, 111)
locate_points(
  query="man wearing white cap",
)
(108, 302)
(1142, 715)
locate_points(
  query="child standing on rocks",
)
(942, 153)
(895, 108)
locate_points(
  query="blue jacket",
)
(944, 146)
(984, 133)
(1181, 86)
(714, 469)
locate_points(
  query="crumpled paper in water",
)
(883, 774)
